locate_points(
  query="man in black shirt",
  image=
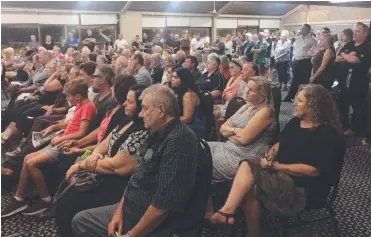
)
(191, 64)
(218, 46)
(171, 43)
(157, 197)
(90, 40)
(358, 55)
(136, 45)
(156, 71)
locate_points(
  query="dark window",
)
(18, 34)
(55, 31)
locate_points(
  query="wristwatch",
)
(232, 130)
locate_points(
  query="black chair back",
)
(200, 195)
(233, 106)
(204, 176)
(207, 109)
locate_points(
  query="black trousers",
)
(109, 192)
(24, 123)
(301, 70)
(15, 109)
(283, 71)
(368, 115)
(343, 105)
(358, 95)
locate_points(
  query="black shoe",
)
(14, 207)
(36, 208)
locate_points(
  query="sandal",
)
(227, 217)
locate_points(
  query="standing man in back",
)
(260, 50)
(302, 65)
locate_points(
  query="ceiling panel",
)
(259, 8)
(268, 8)
(68, 5)
(177, 6)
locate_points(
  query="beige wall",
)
(331, 14)
(131, 25)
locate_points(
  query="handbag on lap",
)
(277, 192)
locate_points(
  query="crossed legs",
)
(242, 195)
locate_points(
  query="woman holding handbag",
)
(304, 160)
(114, 159)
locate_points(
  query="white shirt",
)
(282, 49)
(195, 44)
(228, 48)
(120, 44)
(302, 45)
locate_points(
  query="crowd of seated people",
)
(138, 115)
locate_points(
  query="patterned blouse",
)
(134, 145)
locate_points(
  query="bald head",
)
(180, 56)
(121, 63)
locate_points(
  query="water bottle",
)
(86, 154)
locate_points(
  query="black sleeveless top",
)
(327, 76)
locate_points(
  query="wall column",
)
(213, 30)
(131, 25)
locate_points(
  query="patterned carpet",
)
(352, 206)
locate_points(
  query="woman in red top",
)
(77, 94)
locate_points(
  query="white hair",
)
(9, 50)
(212, 57)
(125, 51)
(285, 33)
(157, 49)
(163, 95)
(85, 49)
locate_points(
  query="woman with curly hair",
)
(307, 153)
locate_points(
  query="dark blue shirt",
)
(74, 41)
